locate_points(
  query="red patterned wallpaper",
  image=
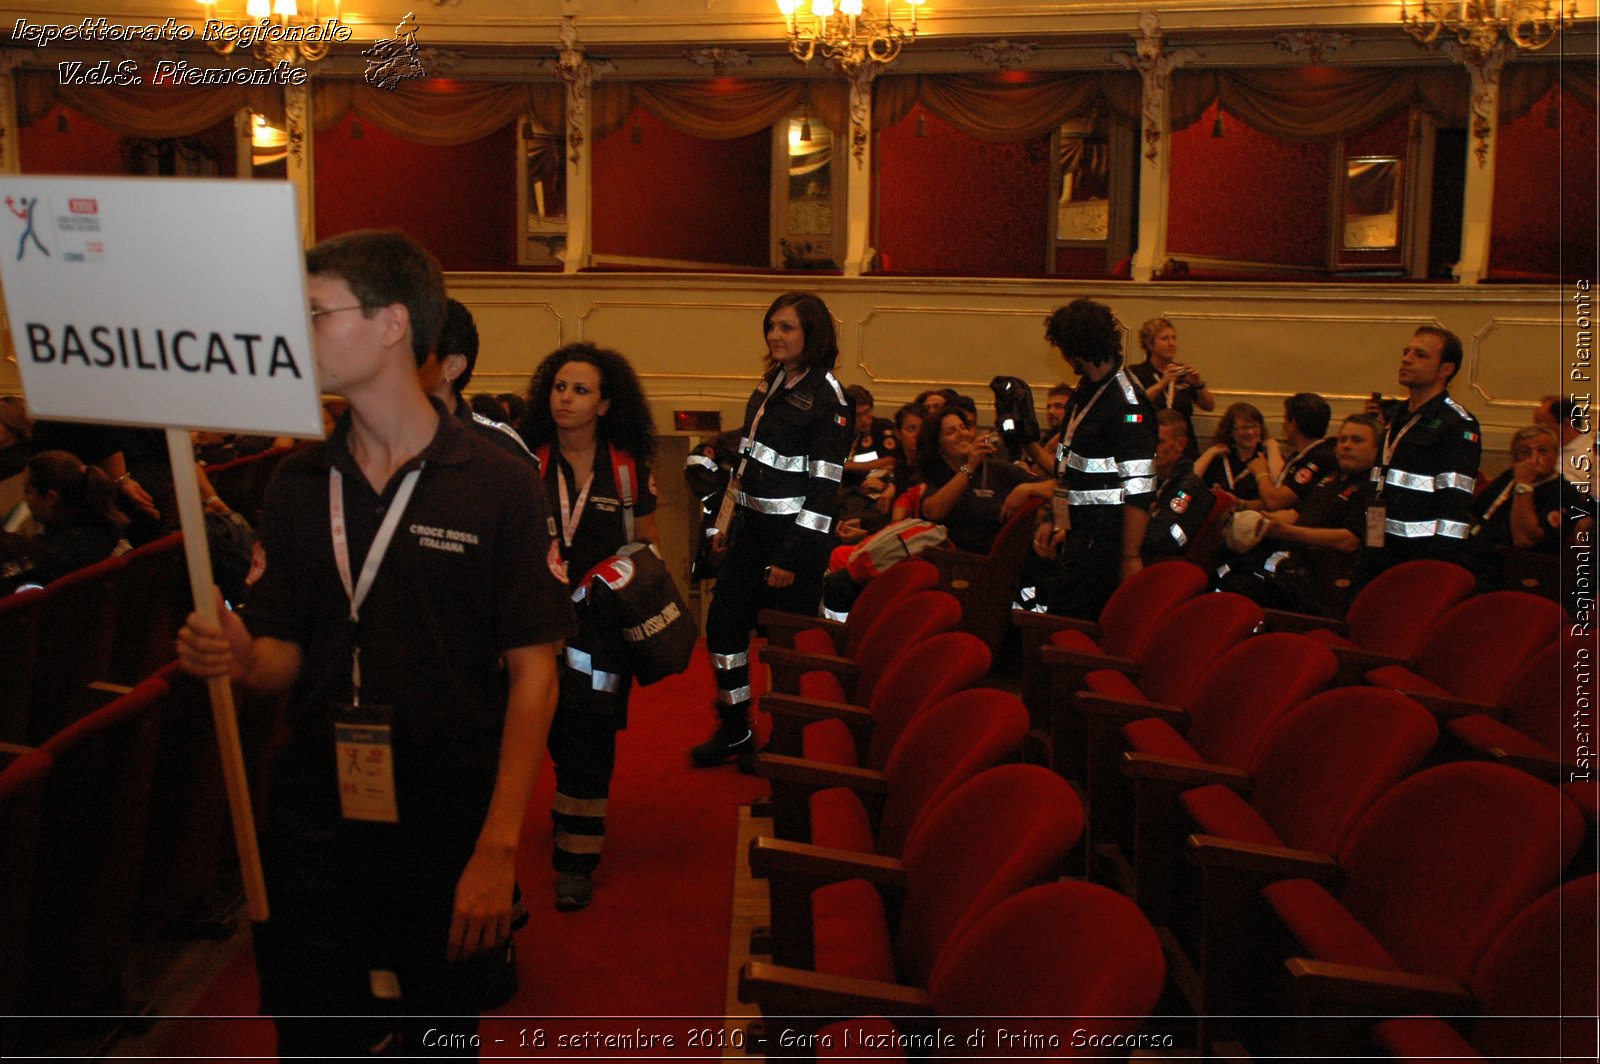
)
(86, 147)
(460, 201)
(1544, 202)
(673, 196)
(951, 204)
(1246, 195)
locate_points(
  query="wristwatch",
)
(1523, 489)
(965, 470)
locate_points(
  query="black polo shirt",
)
(1311, 468)
(468, 575)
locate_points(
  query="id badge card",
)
(729, 501)
(1060, 512)
(1376, 518)
(364, 755)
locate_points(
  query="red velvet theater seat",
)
(843, 638)
(1534, 990)
(1000, 832)
(836, 679)
(21, 790)
(1525, 730)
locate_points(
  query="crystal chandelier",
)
(846, 35)
(1480, 24)
(277, 29)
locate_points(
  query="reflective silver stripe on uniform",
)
(730, 661)
(504, 429)
(1102, 497)
(815, 522)
(832, 470)
(838, 389)
(580, 661)
(703, 461)
(565, 803)
(1139, 485)
(1127, 386)
(1271, 564)
(579, 843)
(1458, 481)
(1410, 529)
(782, 462)
(1415, 481)
(734, 697)
(1223, 570)
(1179, 537)
(772, 506)
(1457, 407)
(1452, 529)
(1091, 465)
(835, 615)
(1138, 467)
(865, 456)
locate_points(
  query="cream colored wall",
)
(697, 342)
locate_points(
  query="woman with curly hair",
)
(589, 423)
(1238, 443)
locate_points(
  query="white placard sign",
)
(160, 301)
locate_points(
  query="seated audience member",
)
(1530, 506)
(1168, 383)
(907, 426)
(874, 445)
(1303, 551)
(15, 428)
(1570, 424)
(75, 506)
(1238, 442)
(516, 406)
(448, 370)
(966, 488)
(1284, 479)
(104, 446)
(1182, 501)
(488, 406)
(1041, 456)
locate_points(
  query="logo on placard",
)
(83, 206)
(22, 209)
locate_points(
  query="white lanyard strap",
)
(1073, 422)
(570, 515)
(1227, 469)
(1391, 439)
(357, 592)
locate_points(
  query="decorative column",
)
(244, 149)
(578, 74)
(300, 165)
(1155, 65)
(859, 252)
(1477, 208)
(10, 159)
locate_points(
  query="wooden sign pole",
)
(180, 450)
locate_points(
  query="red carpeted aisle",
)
(654, 943)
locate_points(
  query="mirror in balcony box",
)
(1370, 205)
(1083, 191)
(543, 189)
(805, 193)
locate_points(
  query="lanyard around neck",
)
(356, 592)
(570, 515)
(1073, 422)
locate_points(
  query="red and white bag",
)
(892, 544)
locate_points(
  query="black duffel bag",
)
(631, 598)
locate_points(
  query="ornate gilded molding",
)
(1312, 44)
(297, 122)
(1007, 55)
(718, 60)
(1484, 69)
(861, 79)
(438, 61)
(1155, 65)
(575, 69)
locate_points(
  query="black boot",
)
(732, 741)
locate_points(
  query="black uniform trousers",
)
(1091, 563)
(740, 595)
(583, 745)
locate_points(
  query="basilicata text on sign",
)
(131, 347)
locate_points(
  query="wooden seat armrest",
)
(1289, 621)
(810, 775)
(800, 661)
(1325, 988)
(16, 749)
(1055, 657)
(781, 627)
(1124, 710)
(1183, 773)
(1045, 623)
(775, 858)
(782, 991)
(1448, 707)
(814, 709)
(1270, 863)
(1548, 768)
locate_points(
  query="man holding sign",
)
(390, 588)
